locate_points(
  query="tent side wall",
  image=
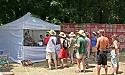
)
(12, 43)
(4, 40)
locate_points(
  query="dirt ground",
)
(41, 68)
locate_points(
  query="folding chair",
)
(4, 62)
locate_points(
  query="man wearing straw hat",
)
(63, 52)
(81, 52)
(72, 42)
(50, 49)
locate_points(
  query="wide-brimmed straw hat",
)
(62, 34)
(81, 32)
(94, 33)
(72, 34)
(52, 32)
(114, 36)
(84, 34)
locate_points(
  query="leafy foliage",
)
(65, 11)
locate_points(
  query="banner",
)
(120, 28)
(67, 28)
(110, 29)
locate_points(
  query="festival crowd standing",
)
(82, 46)
(81, 52)
(102, 45)
(50, 49)
(93, 42)
(71, 48)
(115, 54)
(64, 50)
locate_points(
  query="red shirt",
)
(46, 40)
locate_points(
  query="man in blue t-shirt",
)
(93, 43)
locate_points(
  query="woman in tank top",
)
(115, 54)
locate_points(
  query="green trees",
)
(65, 11)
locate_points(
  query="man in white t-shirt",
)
(50, 49)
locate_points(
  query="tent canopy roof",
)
(30, 22)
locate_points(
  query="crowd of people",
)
(78, 46)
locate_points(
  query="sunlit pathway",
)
(40, 69)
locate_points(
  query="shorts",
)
(94, 49)
(71, 50)
(114, 59)
(102, 58)
(63, 54)
(79, 56)
(50, 55)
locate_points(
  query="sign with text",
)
(110, 29)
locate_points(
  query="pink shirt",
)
(88, 43)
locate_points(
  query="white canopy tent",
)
(12, 36)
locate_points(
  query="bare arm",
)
(28, 40)
(115, 44)
(77, 45)
(97, 44)
(61, 42)
(108, 45)
(70, 42)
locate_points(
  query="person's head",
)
(98, 33)
(47, 35)
(72, 34)
(94, 34)
(101, 32)
(84, 35)
(87, 34)
(80, 33)
(41, 36)
(67, 36)
(114, 37)
(62, 34)
(52, 32)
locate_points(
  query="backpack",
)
(46, 40)
(65, 44)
